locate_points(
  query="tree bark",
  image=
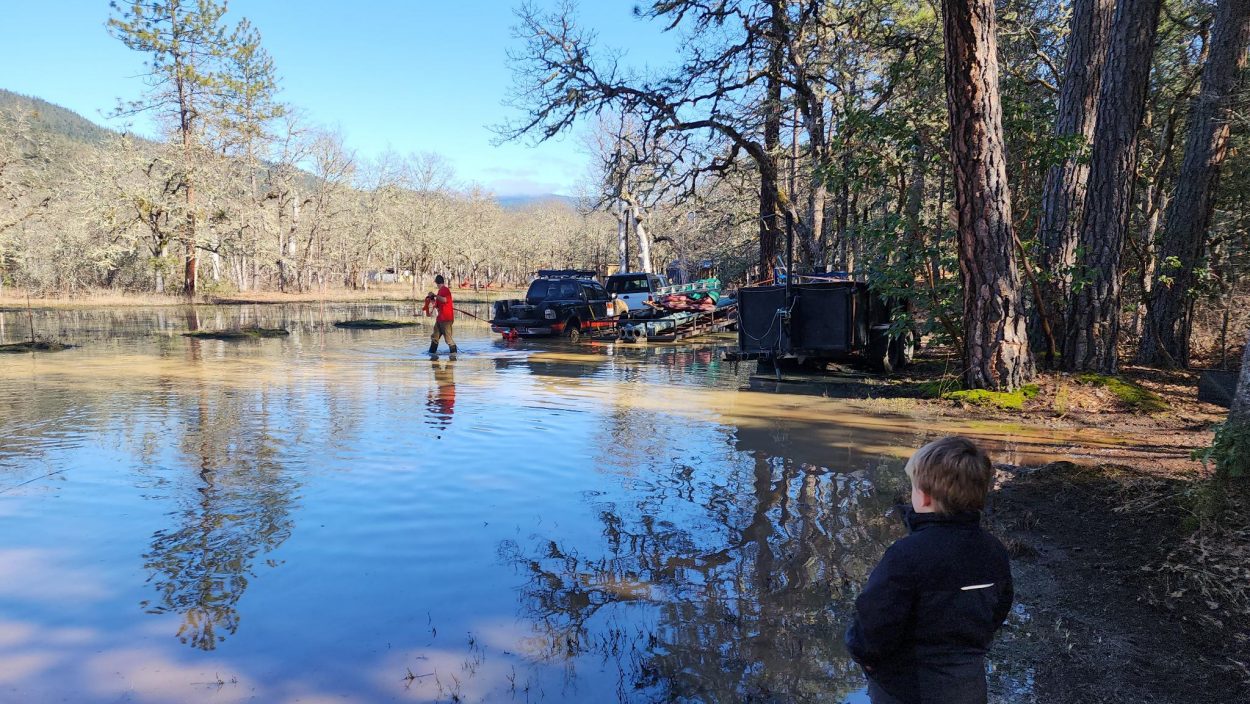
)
(1093, 324)
(644, 240)
(996, 349)
(770, 181)
(1240, 410)
(816, 198)
(186, 115)
(622, 241)
(1063, 193)
(845, 252)
(1168, 326)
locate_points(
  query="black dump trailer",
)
(817, 322)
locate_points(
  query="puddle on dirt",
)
(334, 515)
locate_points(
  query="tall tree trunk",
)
(770, 177)
(914, 202)
(1093, 324)
(185, 126)
(1166, 338)
(996, 346)
(1153, 205)
(644, 240)
(771, 231)
(159, 271)
(770, 181)
(622, 237)
(845, 250)
(816, 197)
(944, 218)
(1063, 194)
(1240, 410)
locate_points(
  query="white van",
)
(635, 288)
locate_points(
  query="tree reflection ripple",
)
(238, 508)
(741, 594)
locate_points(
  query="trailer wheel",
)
(902, 351)
(573, 332)
(879, 352)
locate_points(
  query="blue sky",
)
(417, 76)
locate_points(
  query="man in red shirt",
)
(446, 316)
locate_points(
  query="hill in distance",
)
(63, 122)
(54, 119)
(516, 202)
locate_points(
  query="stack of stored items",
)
(698, 296)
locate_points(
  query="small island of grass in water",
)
(34, 346)
(375, 324)
(242, 334)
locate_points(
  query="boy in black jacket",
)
(930, 609)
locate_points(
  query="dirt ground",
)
(1106, 616)
(1124, 596)
(1065, 402)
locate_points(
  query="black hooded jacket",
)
(930, 609)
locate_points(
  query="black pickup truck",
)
(569, 303)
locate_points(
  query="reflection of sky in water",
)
(332, 516)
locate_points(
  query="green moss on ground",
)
(1006, 400)
(936, 388)
(243, 334)
(375, 324)
(37, 346)
(1130, 393)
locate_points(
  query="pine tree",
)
(1166, 339)
(996, 346)
(1093, 323)
(185, 41)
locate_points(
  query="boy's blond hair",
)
(954, 472)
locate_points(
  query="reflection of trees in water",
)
(240, 508)
(749, 584)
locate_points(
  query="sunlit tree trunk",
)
(1063, 194)
(996, 349)
(1093, 324)
(159, 274)
(644, 240)
(191, 261)
(771, 232)
(622, 237)
(915, 195)
(816, 198)
(1166, 338)
(846, 253)
(1240, 411)
(770, 183)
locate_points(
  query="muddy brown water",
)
(334, 516)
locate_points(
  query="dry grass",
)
(88, 299)
(1208, 574)
(36, 346)
(375, 324)
(241, 334)
(1213, 565)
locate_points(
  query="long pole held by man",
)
(446, 316)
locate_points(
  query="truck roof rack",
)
(568, 273)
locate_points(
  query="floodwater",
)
(335, 517)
